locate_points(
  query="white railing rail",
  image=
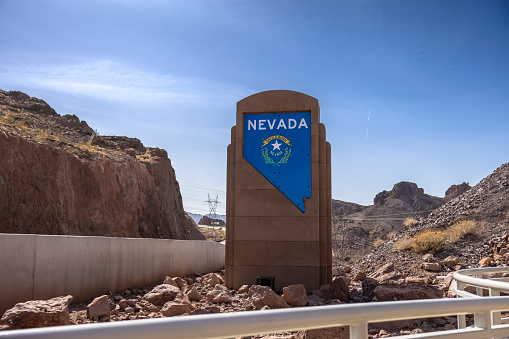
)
(238, 324)
(486, 286)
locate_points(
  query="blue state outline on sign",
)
(278, 145)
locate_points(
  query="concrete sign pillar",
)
(278, 209)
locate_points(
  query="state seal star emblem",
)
(276, 156)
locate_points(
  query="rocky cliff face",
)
(58, 177)
(456, 190)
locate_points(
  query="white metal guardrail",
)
(486, 316)
(238, 324)
(486, 286)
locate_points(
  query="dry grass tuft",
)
(409, 221)
(459, 229)
(378, 242)
(435, 240)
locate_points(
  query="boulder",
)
(243, 289)
(219, 294)
(386, 273)
(264, 296)
(337, 271)
(407, 292)
(99, 307)
(359, 276)
(161, 294)
(451, 261)
(337, 289)
(172, 308)
(193, 294)
(486, 262)
(431, 266)
(428, 257)
(212, 279)
(447, 282)
(182, 298)
(417, 280)
(37, 313)
(170, 281)
(451, 293)
(368, 286)
(181, 283)
(295, 295)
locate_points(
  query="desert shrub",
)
(378, 242)
(404, 243)
(409, 221)
(429, 241)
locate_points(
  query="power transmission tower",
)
(212, 212)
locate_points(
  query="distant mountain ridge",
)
(197, 217)
(360, 226)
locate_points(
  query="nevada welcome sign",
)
(278, 145)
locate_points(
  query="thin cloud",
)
(113, 81)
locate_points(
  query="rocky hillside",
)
(486, 205)
(59, 177)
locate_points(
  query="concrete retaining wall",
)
(45, 266)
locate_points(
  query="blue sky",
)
(408, 90)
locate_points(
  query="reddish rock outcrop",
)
(56, 179)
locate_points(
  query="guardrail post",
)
(483, 320)
(495, 316)
(462, 321)
(359, 331)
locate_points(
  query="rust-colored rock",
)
(99, 307)
(408, 292)
(193, 294)
(212, 279)
(169, 281)
(37, 313)
(264, 296)
(295, 295)
(219, 294)
(417, 280)
(386, 273)
(55, 180)
(161, 294)
(431, 266)
(172, 308)
(451, 261)
(337, 289)
(486, 262)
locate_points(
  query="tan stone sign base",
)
(267, 235)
